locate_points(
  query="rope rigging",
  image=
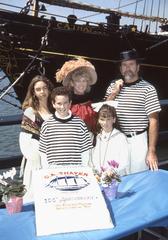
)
(100, 10)
(144, 8)
(94, 8)
(27, 8)
(44, 42)
(11, 94)
(159, 3)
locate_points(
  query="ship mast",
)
(35, 8)
(90, 7)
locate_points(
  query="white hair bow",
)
(98, 105)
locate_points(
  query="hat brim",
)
(90, 71)
(128, 59)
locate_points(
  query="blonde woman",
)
(79, 75)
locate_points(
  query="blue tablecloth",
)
(142, 202)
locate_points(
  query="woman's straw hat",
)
(64, 74)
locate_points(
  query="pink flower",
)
(113, 164)
(103, 169)
(107, 175)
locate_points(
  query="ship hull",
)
(24, 37)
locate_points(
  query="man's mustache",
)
(128, 73)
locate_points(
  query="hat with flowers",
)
(69, 67)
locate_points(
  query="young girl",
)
(37, 108)
(111, 144)
(79, 75)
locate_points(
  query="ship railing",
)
(10, 161)
(10, 120)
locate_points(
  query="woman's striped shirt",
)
(136, 102)
(63, 141)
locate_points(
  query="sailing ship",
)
(35, 42)
(32, 43)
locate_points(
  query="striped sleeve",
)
(152, 102)
(43, 139)
(86, 142)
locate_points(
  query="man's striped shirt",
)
(136, 102)
(63, 141)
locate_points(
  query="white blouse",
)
(111, 146)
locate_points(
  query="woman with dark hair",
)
(37, 108)
(111, 143)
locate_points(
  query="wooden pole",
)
(35, 8)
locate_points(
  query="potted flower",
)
(12, 190)
(108, 178)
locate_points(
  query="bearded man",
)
(137, 109)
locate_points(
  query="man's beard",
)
(128, 76)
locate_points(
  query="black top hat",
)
(129, 55)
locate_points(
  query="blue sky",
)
(103, 3)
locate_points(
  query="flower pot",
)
(14, 205)
(110, 191)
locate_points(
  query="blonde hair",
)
(77, 74)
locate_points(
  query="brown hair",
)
(31, 100)
(106, 111)
(60, 91)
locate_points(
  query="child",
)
(79, 75)
(64, 138)
(111, 144)
(37, 108)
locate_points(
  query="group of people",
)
(60, 126)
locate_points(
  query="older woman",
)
(79, 75)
